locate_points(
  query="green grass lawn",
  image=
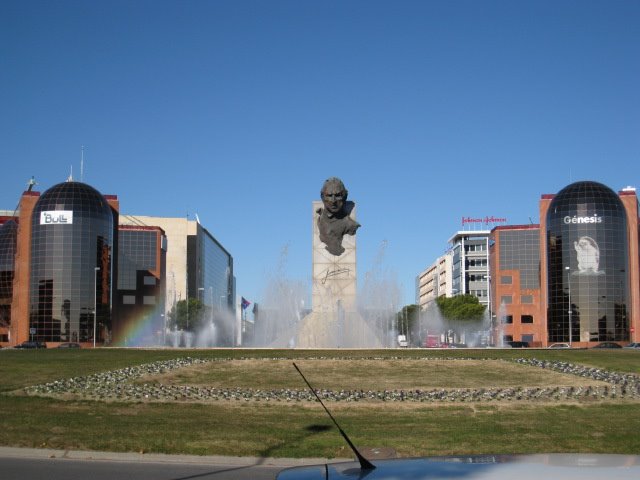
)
(302, 429)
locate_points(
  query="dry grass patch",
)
(409, 374)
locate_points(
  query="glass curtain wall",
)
(71, 264)
(8, 240)
(587, 254)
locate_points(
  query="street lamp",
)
(220, 302)
(569, 286)
(210, 304)
(95, 303)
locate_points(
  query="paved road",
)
(27, 464)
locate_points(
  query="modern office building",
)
(470, 264)
(589, 264)
(435, 281)
(70, 271)
(575, 278)
(141, 289)
(63, 244)
(197, 266)
(515, 283)
(8, 241)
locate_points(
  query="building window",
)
(149, 300)
(149, 280)
(507, 319)
(507, 338)
(526, 319)
(506, 299)
(527, 338)
(129, 299)
(526, 299)
(506, 279)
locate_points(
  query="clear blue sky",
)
(239, 110)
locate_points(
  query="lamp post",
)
(569, 287)
(95, 302)
(211, 305)
(200, 315)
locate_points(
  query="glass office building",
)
(140, 295)
(8, 240)
(72, 249)
(587, 265)
(211, 280)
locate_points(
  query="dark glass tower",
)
(71, 264)
(587, 255)
(8, 239)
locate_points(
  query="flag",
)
(244, 303)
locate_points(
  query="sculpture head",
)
(333, 195)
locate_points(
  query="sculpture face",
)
(333, 196)
(334, 221)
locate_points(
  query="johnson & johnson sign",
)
(485, 221)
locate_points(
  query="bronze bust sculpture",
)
(333, 220)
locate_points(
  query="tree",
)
(408, 319)
(187, 316)
(461, 312)
(461, 307)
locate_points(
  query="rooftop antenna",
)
(70, 177)
(82, 163)
(364, 463)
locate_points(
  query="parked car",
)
(634, 345)
(515, 344)
(69, 345)
(559, 345)
(31, 344)
(608, 345)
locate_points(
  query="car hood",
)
(498, 467)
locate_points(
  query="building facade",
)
(470, 264)
(590, 265)
(72, 271)
(515, 284)
(61, 246)
(199, 267)
(141, 288)
(575, 277)
(435, 281)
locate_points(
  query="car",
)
(496, 467)
(608, 345)
(69, 345)
(634, 345)
(515, 344)
(559, 345)
(31, 344)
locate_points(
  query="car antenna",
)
(364, 463)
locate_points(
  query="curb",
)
(38, 453)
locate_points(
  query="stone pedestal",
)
(334, 277)
(334, 321)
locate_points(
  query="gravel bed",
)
(117, 386)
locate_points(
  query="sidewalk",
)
(163, 458)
